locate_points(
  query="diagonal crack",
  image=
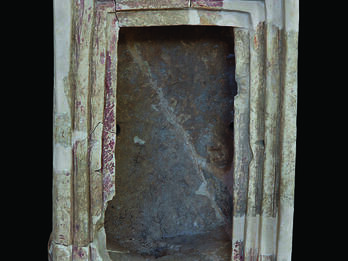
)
(199, 162)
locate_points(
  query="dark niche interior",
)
(174, 149)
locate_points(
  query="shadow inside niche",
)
(174, 151)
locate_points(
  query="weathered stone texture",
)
(175, 147)
(208, 3)
(72, 182)
(150, 4)
(182, 17)
(62, 150)
(257, 144)
(242, 153)
(60, 252)
(288, 145)
(266, 37)
(80, 82)
(97, 93)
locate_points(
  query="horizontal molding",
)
(143, 18)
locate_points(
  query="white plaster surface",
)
(238, 228)
(291, 15)
(256, 9)
(286, 227)
(62, 158)
(62, 36)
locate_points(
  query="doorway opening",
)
(174, 149)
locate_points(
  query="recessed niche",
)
(174, 148)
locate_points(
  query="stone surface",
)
(266, 36)
(175, 145)
(213, 246)
(150, 4)
(182, 17)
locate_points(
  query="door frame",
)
(86, 36)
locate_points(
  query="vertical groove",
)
(263, 172)
(89, 119)
(96, 118)
(72, 105)
(278, 158)
(82, 12)
(270, 202)
(104, 102)
(279, 139)
(109, 113)
(256, 142)
(262, 123)
(288, 129)
(250, 34)
(242, 151)
(89, 127)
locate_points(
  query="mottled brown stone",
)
(175, 145)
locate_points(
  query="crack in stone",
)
(198, 161)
